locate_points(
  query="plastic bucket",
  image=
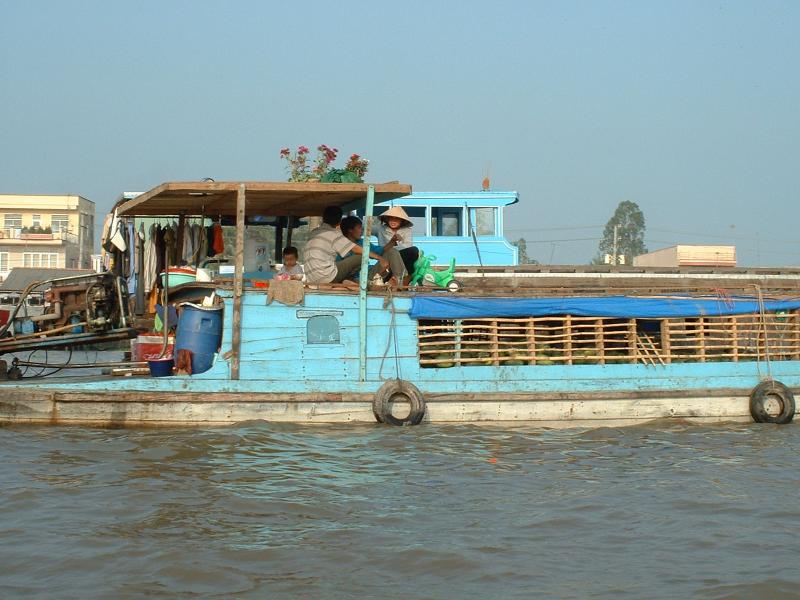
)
(200, 332)
(161, 367)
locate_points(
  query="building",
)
(50, 231)
(688, 255)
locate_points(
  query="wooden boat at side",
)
(417, 356)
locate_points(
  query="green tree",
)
(524, 259)
(629, 222)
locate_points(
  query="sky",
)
(688, 108)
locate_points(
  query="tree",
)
(629, 222)
(524, 259)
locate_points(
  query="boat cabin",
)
(467, 226)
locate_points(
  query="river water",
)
(669, 510)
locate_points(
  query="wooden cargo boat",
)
(412, 356)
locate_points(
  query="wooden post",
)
(568, 338)
(599, 346)
(701, 328)
(362, 287)
(666, 345)
(495, 343)
(238, 284)
(796, 334)
(530, 338)
(633, 347)
(179, 235)
(458, 342)
(279, 224)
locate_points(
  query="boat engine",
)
(94, 303)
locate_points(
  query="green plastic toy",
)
(425, 273)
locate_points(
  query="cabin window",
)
(483, 219)
(322, 329)
(447, 221)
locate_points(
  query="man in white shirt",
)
(327, 242)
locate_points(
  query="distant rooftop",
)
(21, 277)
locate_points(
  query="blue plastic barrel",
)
(200, 332)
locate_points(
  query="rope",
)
(763, 326)
(392, 336)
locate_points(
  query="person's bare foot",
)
(350, 284)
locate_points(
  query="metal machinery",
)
(83, 309)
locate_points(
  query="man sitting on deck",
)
(327, 241)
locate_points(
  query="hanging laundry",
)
(218, 244)
(149, 270)
(131, 257)
(171, 246)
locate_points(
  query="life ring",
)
(777, 391)
(398, 390)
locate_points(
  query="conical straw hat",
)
(398, 213)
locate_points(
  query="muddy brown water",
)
(668, 510)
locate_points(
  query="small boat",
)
(424, 355)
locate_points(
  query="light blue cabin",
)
(467, 226)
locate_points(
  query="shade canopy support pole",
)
(238, 284)
(362, 286)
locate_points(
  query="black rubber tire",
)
(777, 390)
(398, 390)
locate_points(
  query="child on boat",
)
(290, 269)
(395, 232)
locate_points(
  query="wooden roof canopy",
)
(278, 199)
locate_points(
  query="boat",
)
(489, 353)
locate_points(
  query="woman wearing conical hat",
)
(394, 231)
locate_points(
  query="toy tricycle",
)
(425, 272)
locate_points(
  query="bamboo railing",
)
(570, 340)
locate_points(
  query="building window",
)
(322, 329)
(36, 221)
(447, 221)
(59, 223)
(483, 219)
(40, 259)
(12, 221)
(4, 261)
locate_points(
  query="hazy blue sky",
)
(689, 109)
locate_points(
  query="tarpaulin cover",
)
(622, 307)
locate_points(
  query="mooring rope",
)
(391, 337)
(763, 326)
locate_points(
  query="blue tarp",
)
(622, 307)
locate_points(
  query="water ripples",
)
(662, 511)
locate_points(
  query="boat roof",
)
(271, 198)
(469, 199)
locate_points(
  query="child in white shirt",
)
(290, 269)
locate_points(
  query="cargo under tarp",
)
(622, 307)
